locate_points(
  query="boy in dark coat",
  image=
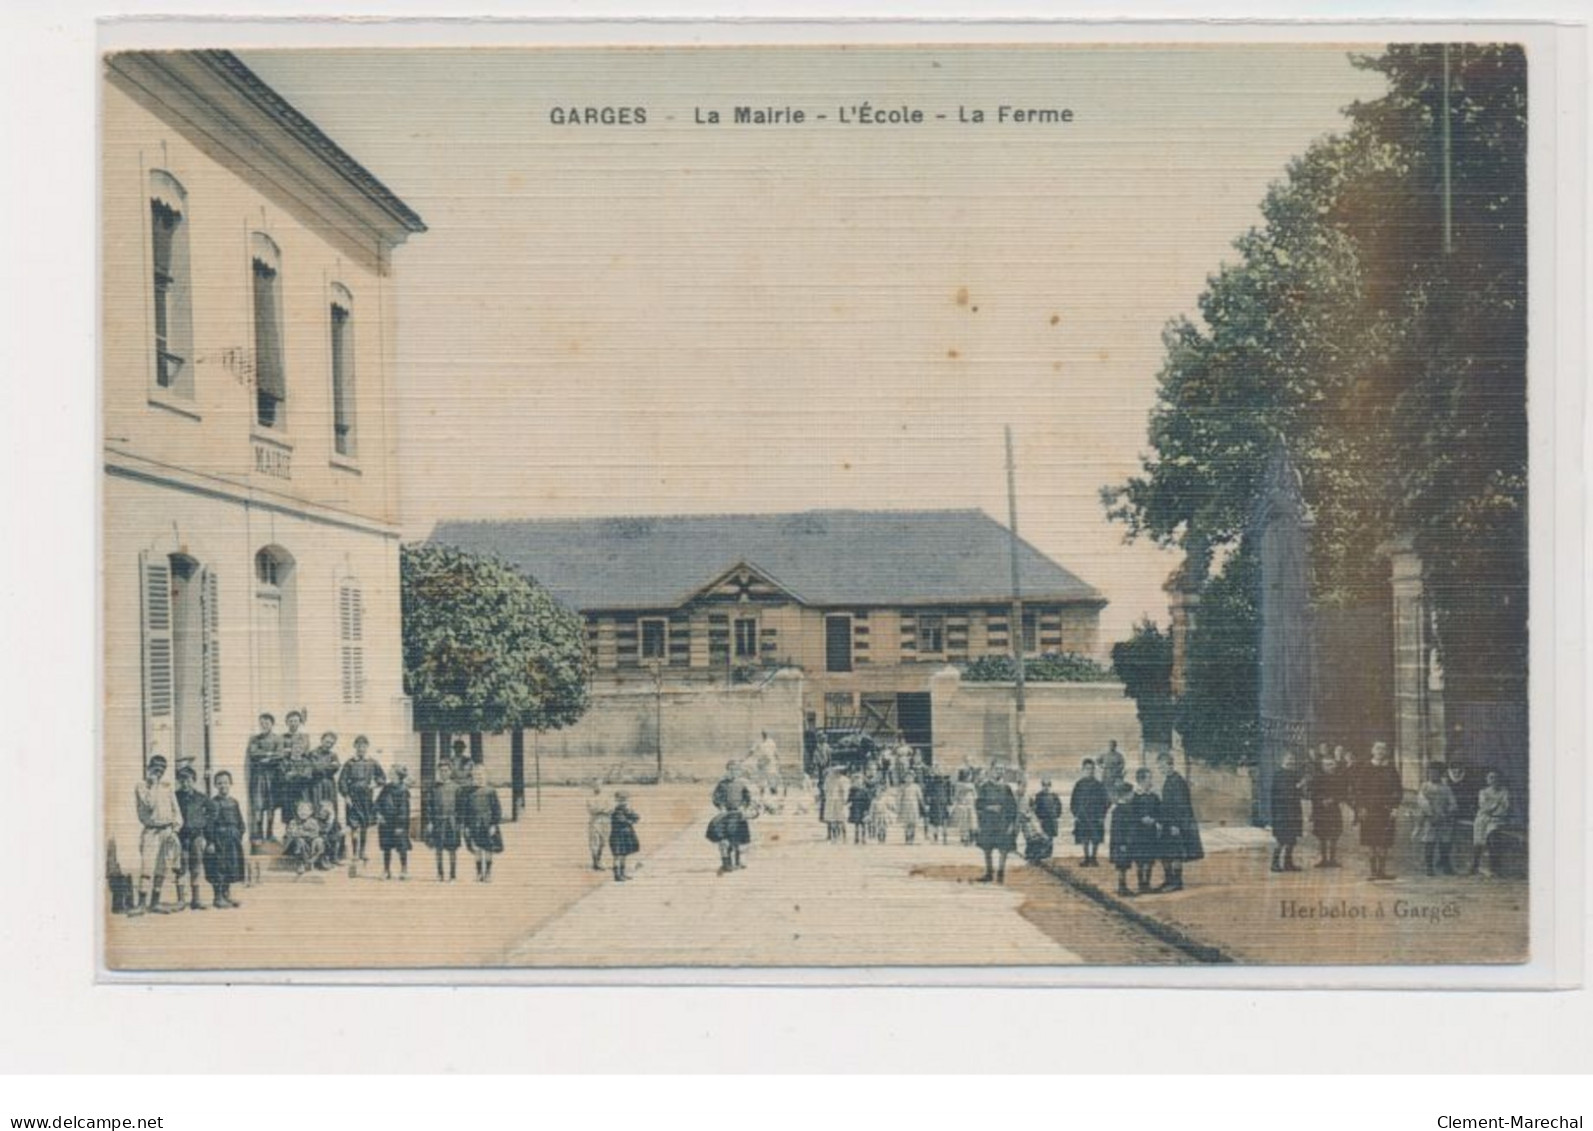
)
(358, 781)
(1327, 814)
(442, 823)
(195, 808)
(1089, 804)
(728, 829)
(1381, 792)
(260, 762)
(1180, 828)
(1048, 809)
(997, 810)
(1288, 814)
(224, 860)
(1144, 829)
(392, 823)
(1116, 823)
(622, 840)
(483, 815)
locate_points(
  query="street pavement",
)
(800, 901)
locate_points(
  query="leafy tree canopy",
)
(486, 649)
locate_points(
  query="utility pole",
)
(1448, 154)
(1016, 631)
(658, 717)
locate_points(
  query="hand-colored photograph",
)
(814, 507)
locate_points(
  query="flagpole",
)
(1016, 629)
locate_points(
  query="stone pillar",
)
(1280, 525)
(1183, 602)
(1413, 735)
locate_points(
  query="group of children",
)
(185, 833)
(188, 833)
(874, 801)
(1373, 793)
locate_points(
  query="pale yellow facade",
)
(248, 565)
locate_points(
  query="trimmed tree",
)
(486, 648)
(1144, 662)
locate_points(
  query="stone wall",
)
(619, 738)
(1066, 722)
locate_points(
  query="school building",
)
(868, 605)
(250, 483)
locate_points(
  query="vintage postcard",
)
(940, 505)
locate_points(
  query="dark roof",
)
(311, 136)
(824, 558)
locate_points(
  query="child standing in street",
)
(1117, 828)
(159, 850)
(224, 862)
(1493, 806)
(483, 822)
(442, 823)
(392, 823)
(622, 840)
(195, 808)
(1435, 819)
(598, 826)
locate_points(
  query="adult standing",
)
(261, 759)
(1180, 841)
(1380, 795)
(1114, 767)
(1288, 813)
(997, 810)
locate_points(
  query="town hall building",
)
(250, 505)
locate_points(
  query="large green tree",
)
(1390, 362)
(485, 648)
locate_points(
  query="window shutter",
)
(351, 630)
(211, 614)
(155, 586)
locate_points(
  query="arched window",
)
(342, 323)
(275, 635)
(173, 314)
(271, 385)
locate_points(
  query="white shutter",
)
(351, 632)
(155, 588)
(211, 615)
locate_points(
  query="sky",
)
(678, 318)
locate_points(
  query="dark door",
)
(838, 644)
(913, 719)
